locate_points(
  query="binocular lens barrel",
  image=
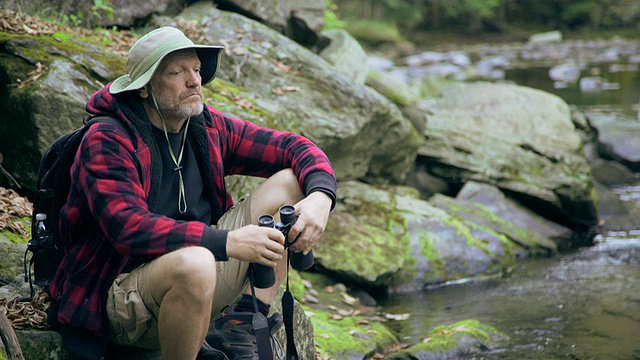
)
(287, 214)
(265, 276)
(266, 221)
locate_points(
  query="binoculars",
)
(265, 276)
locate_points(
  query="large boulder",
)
(617, 138)
(301, 20)
(46, 83)
(389, 238)
(91, 13)
(345, 53)
(534, 230)
(519, 139)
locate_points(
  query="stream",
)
(581, 304)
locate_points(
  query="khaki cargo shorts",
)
(132, 310)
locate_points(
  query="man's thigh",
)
(132, 309)
(232, 277)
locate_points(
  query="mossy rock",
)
(452, 341)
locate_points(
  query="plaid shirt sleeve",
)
(248, 149)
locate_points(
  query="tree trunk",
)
(9, 338)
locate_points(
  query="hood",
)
(104, 103)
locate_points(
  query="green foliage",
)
(331, 19)
(102, 6)
(374, 32)
(462, 8)
(98, 9)
(473, 16)
(74, 20)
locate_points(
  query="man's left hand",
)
(313, 215)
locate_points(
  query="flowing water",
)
(583, 304)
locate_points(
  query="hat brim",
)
(209, 56)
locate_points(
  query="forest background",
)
(425, 23)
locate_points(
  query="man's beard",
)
(181, 111)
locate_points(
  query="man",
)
(146, 269)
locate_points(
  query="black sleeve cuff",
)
(321, 181)
(216, 242)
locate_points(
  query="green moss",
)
(235, 101)
(61, 36)
(374, 32)
(60, 43)
(449, 337)
(295, 285)
(15, 237)
(335, 338)
(389, 92)
(433, 256)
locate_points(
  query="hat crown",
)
(146, 54)
(152, 47)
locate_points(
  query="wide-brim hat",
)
(147, 53)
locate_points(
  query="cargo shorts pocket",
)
(130, 321)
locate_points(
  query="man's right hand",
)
(261, 245)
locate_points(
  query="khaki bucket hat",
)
(147, 53)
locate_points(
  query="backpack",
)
(52, 189)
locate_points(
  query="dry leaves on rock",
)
(32, 76)
(27, 315)
(117, 42)
(12, 207)
(281, 90)
(11, 21)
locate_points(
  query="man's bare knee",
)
(280, 189)
(191, 269)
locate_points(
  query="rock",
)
(591, 83)
(402, 243)
(127, 13)
(515, 213)
(618, 138)
(458, 340)
(612, 173)
(568, 72)
(546, 37)
(345, 53)
(519, 139)
(484, 216)
(301, 20)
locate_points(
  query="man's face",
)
(177, 85)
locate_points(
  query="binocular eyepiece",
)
(265, 276)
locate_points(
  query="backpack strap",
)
(287, 316)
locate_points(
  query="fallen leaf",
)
(240, 51)
(348, 299)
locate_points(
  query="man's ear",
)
(143, 92)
